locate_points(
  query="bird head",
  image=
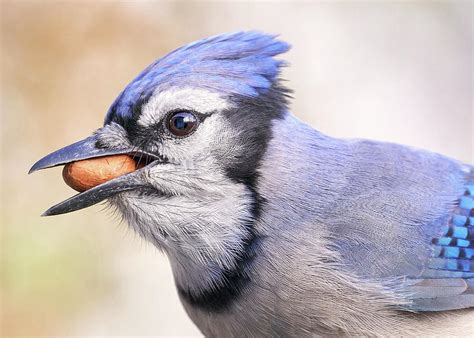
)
(200, 119)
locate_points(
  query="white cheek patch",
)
(199, 100)
(198, 143)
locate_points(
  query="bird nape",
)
(271, 227)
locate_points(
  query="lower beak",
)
(86, 149)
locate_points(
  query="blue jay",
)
(271, 227)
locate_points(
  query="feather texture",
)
(452, 257)
(239, 63)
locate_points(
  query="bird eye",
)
(182, 123)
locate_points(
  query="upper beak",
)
(86, 149)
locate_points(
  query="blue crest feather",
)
(239, 63)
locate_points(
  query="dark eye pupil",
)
(182, 123)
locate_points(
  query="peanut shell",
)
(86, 174)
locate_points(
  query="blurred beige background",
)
(400, 72)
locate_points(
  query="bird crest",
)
(239, 63)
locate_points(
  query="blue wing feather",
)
(454, 248)
(452, 258)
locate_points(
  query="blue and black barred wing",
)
(447, 283)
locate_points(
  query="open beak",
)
(86, 149)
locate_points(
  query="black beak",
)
(86, 149)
